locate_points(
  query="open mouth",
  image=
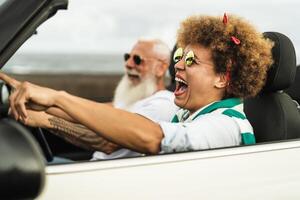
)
(181, 86)
(133, 75)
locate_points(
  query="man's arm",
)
(74, 133)
(81, 136)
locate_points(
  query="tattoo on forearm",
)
(80, 136)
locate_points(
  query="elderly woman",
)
(219, 62)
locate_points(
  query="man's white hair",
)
(159, 48)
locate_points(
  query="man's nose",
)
(130, 64)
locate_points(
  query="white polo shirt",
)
(219, 124)
(158, 107)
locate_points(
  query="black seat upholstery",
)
(294, 89)
(273, 114)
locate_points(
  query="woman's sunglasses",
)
(189, 57)
(136, 58)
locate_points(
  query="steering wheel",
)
(36, 132)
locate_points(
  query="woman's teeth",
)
(180, 80)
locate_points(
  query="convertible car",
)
(266, 170)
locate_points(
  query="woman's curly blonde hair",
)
(246, 62)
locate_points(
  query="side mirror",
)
(22, 166)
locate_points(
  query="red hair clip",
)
(225, 19)
(235, 40)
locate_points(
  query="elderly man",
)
(145, 66)
(141, 90)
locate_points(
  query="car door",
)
(263, 171)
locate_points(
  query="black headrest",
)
(294, 89)
(282, 73)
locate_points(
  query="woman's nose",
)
(180, 65)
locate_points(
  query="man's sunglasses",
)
(136, 58)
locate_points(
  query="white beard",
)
(126, 94)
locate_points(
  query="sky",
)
(102, 26)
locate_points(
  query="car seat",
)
(272, 113)
(294, 89)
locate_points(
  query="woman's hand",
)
(25, 94)
(31, 95)
(55, 111)
(13, 83)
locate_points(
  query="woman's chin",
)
(181, 98)
(180, 102)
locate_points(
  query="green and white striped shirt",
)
(218, 124)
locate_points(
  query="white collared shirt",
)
(212, 129)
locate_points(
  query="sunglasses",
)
(189, 57)
(136, 58)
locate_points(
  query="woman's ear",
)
(224, 78)
(221, 81)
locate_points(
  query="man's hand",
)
(37, 119)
